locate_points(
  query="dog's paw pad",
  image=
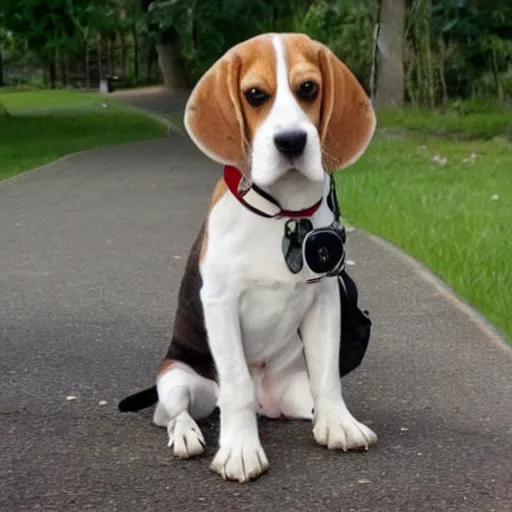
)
(343, 433)
(241, 461)
(185, 437)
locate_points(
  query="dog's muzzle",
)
(321, 249)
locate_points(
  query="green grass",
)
(456, 218)
(45, 125)
(33, 100)
(475, 123)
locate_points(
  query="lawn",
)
(45, 125)
(447, 202)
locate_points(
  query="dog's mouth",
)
(298, 173)
(295, 190)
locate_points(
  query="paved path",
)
(92, 249)
(158, 100)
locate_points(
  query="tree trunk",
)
(428, 78)
(122, 39)
(150, 59)
(110, 53)
(496, 75)
(52, 74)
(1, 68)
(58, 67)
(442, 75)
(135, 55)
(100, 58)
(170, 66)
(374, 60)
(87, 69)
(63, 71)
(66, 69)
(390, 54)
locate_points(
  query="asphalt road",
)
(155, 99)
(91, 253)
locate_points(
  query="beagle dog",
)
(251, 336)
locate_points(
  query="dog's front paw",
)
(241, 460)
(343, 432)
(185, 437)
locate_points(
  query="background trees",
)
(424, 52)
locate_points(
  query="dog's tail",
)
(140, 400)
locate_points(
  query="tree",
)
(160, 21)
(390, 54)
(1, 58)
(42, 27)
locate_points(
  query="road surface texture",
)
(157, 99)
(92, 249)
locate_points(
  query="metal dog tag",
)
(294, 234)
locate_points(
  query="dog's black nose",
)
(291, 144)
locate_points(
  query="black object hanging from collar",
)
(321, 249)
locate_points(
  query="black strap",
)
(332, 199)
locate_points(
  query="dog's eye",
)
(307, 91)
(256, 97)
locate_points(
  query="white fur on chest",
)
(270, 317)
(244, 258)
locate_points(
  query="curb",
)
(22, 174)
(171, 127)
(498, 337)
(28, 173)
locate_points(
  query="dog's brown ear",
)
(347, 117)
(213, 116)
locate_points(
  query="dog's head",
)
(279, 102)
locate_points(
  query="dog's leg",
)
(184, 396)
(287, 393)
(296, 400)
(240, 455)
(334, 425)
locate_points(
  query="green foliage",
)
(454, 48)
(347, 28)
(208, 28)
(471, 45)
(214, 27)
(60, 26)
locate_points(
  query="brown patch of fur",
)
(165, 366)
(257, 367)
(347, 118)
(218, 114)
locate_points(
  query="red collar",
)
(257, 200)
